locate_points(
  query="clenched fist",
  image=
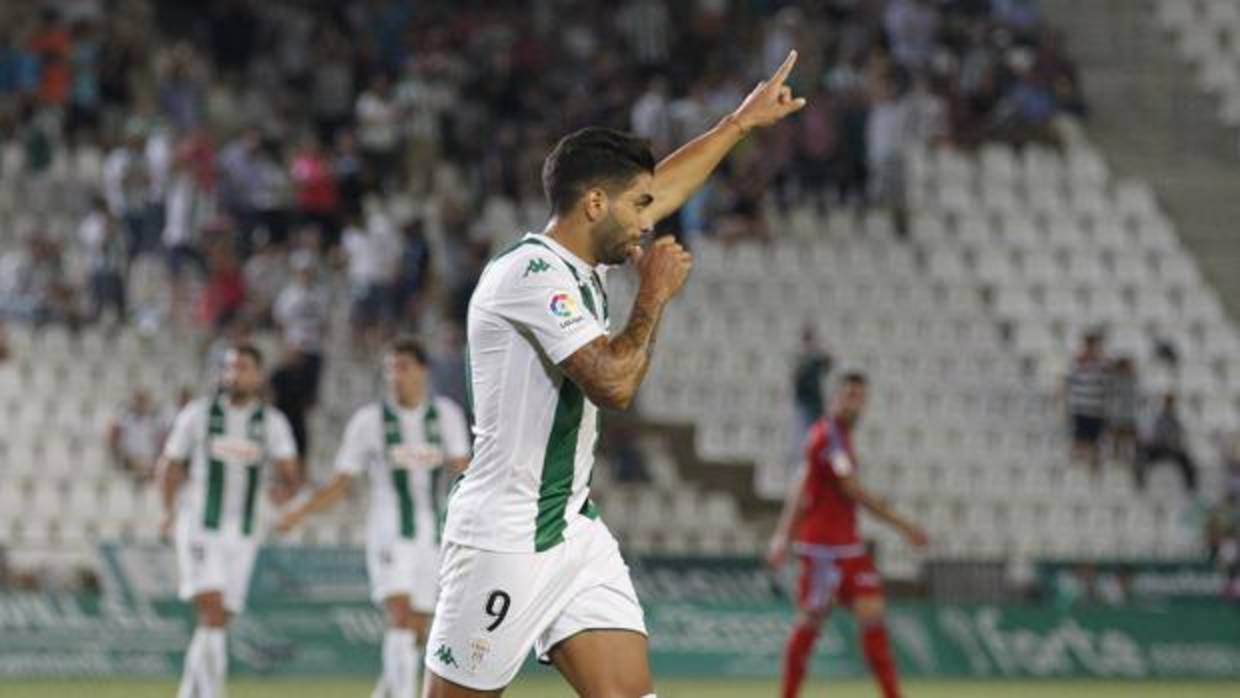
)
(663, 269)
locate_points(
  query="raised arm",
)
(609, 370)
(683, 172)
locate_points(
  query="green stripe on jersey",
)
(400, 475)
(598, 283)
(255, 431)
(431, 433)
(400, 480)
(251, 494)
(215, 495)
(558, 466)
(588, 297)
(215, 469)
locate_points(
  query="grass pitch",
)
(544, 686)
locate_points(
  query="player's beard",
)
(611, 241)
(412, 393)
(238, 394)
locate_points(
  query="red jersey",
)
(832, 516)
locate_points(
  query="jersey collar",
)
(247, 408)
(563, 251)
(415, 411)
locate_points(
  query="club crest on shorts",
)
(479, 648)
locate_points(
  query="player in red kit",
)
(819, 524)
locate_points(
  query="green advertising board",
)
(309, 613)
(1119, 583)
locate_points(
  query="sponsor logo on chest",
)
(233, 450)
(414, 456)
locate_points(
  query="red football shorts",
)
(828, 579)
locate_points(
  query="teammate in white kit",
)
(223, 443)
(526, 561)
(410, 445)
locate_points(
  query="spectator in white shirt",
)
(887, 134)
(378, 130)
(651, 116)
(301, 313)
(266, 274)
(911, 26)
(127, 189)
(690, 115)
(272, 191)
(187, 209)
(108, 259)
(646, 25)
(136, 435)
(373, 256)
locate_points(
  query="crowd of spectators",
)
(247, 166)
(399, 142)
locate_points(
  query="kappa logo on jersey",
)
(536, 266)
(565, 308)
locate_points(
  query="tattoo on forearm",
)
(644, 323)
(611, 370)
(639, 333)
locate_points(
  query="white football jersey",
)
(403, 451)
(527, 488)
(228, 449)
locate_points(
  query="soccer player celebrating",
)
(526, 561)
(408, 445)
(821, 516)
(213, 467)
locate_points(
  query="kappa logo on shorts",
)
(444, 654)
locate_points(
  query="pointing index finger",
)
(782, 74)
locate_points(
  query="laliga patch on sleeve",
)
(563, 307)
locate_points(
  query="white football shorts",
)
(407, 567)
(209, 562)
(494, 606)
